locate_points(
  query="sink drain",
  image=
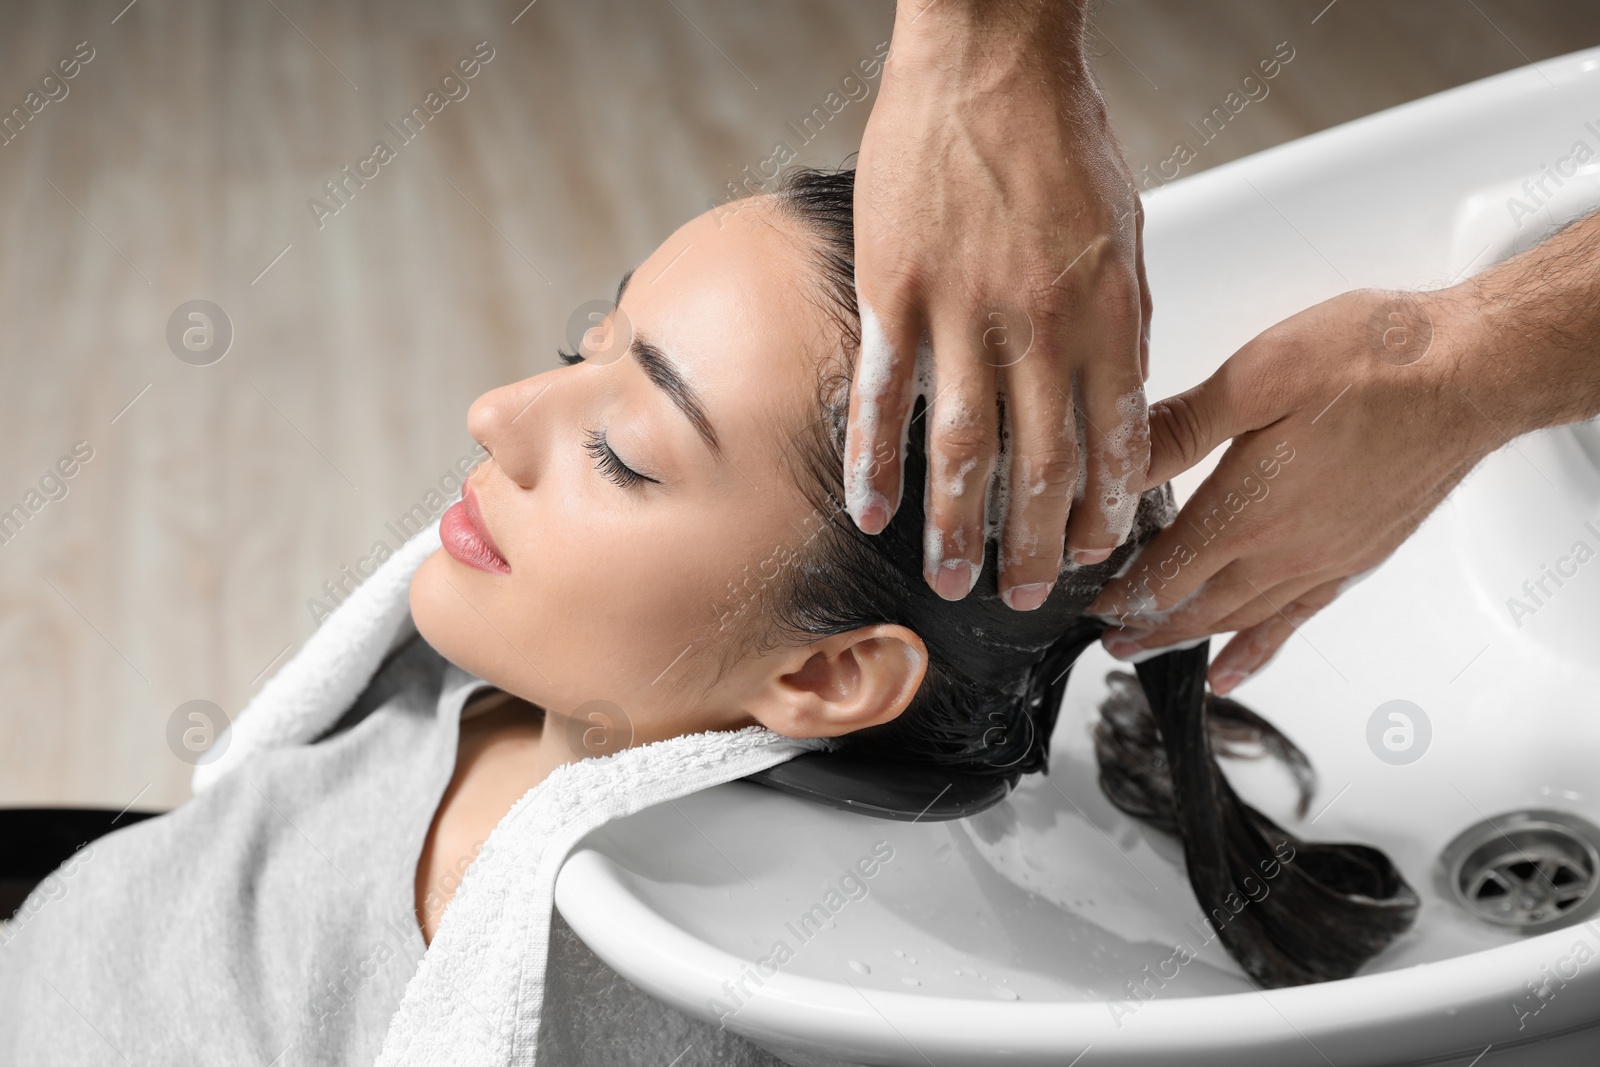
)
(1533, 870)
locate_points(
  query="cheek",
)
(610, 595)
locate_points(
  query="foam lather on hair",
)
(1317, 911)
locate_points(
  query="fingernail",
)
(1087, 557)
(1027, 597)
(872, 515)
(1122, 648)
(1226, 681)
(955, 579)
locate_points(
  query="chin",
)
(445, 621)
(458, 632)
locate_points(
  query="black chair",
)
(35, 841)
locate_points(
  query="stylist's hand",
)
(1349, 424)
(994, 212)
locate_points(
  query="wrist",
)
(1518, 373)
(1531, 351)
(975, 39)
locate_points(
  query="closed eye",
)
(610, 464)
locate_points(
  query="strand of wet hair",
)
(1289, 911)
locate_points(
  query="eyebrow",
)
(664, 374)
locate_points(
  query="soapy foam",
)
(1079, 427)
(1151, 618)
(949, 414)
(956, 487)
(1025, 536)
(874, 372)
(932, 548)
(1119, 497)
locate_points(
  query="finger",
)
(1276, 600)
(881, 396)
(1253, 648)
(1181, 559)
(1186, 428)
(1236, 599)
(1232, 600)
(1043, 476)
(1118, 443)
(1146, 305)
(963, 439)
(1251, 589)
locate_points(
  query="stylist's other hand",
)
(994, 212)
(1348, 428)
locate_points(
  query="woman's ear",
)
(842, 683)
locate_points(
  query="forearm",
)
(1532, 358)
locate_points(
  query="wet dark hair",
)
(996, 678)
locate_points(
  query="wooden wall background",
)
(219, 499)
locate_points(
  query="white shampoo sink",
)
(1044, 930)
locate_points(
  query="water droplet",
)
(1002, 993)
(859, 967)
(897, 952)
(910, 981)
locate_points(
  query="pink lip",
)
(464, 535)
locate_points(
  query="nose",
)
(506, 422)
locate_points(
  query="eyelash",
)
(610, 464)
(606, 461)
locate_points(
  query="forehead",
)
(733, 301)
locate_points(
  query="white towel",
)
(477, 997)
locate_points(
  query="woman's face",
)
(628, 574)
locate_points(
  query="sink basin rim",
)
(679, 968)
